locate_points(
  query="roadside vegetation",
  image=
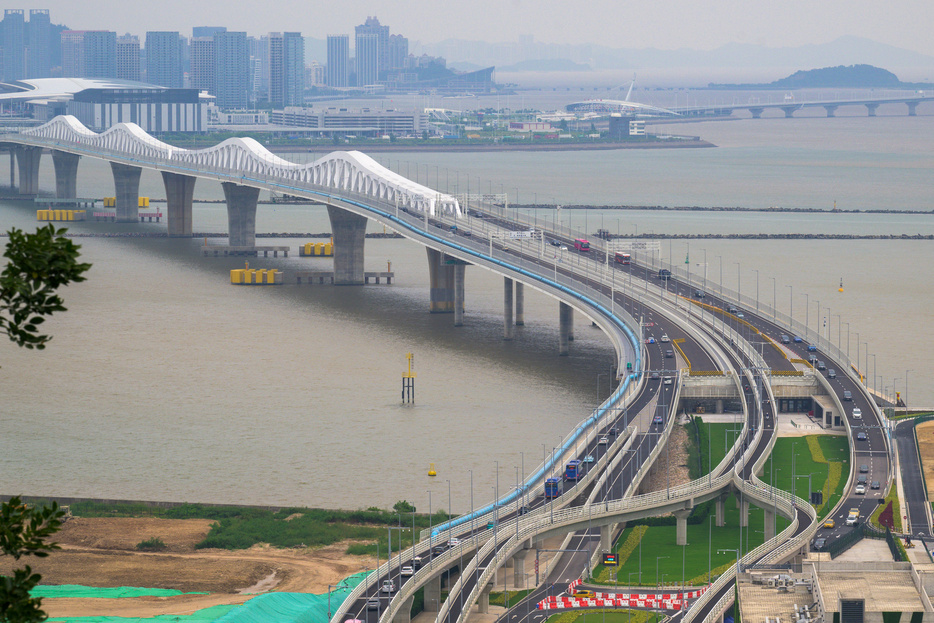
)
(609, 615)
(242, 527)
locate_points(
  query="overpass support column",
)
(241, 214)
(571, 326)
(912, 109)
(756, 112)
(831, 110)
(404, 615)
(12, 168)
(442, 284)
(459, 274)
(518, 569)
(126, 190)
(769, 527)
(682, 526)
(565, 316)
(28, 158)
(520, 304)
(721, 511)
(66, 174)
(509, 329)
(433, 595)
(483, 604)
(744, 513)
(179, 193)
(719, 405)
(871, 109)
(349, 231)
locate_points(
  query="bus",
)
(552, 488)
(572, 470)
(582, 245)
(622, 258)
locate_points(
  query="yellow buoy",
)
(841, 285)
(431, 470)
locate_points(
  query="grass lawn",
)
(779, 464)
(606, 616)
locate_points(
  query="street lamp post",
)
(847, 339)
(656, 569)
(791, 305)
(431, 554)
(906, 390)
(756, 270)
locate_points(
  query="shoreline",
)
(607, 237)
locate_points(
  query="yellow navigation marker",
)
(431, 470)
(841, 285)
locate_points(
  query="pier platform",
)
(217, 250)
(318, 277)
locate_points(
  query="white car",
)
(454, 542)
(665, 337)
(857, 413)
(603, 441)
(667, 380)
(860, 489)
(388, 586)
(406, 571)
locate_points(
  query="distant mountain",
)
(852, 76)
(556, 64)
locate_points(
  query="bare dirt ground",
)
(925, 434)
(677, 461)
(102, 553)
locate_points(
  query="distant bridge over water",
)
(790, 106)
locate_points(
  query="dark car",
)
(657, 419)
(821, 365)
(874, 485)
(831, 373)
(669, 354)
(655, 376)
(863, 469)
(665, 274)
(555, 243)
(812, 348)
(785, 339)
(860, 436)
(699, 294)
(847, 395)
(819, 544)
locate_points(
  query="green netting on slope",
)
(205, 615)
(291, 607)
(86, 592)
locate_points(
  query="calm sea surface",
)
(164, 382)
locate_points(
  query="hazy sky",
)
(664, 24)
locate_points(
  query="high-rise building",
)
(259, 67)
(207, 31)
(13, 42)
(164, 59)
(72, 53)
(128, 67)
(338, 60)
(366, 58)
(231, 70)
(286, 68)
(38, 44)
(100, 54)
(398, 52)
(201, 74)
(372, 27)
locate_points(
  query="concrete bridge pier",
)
(789, 111)
(831, 110)
(565, 318)
(12, 168)
(720, 519)
(520, 304)
(719, 405)
(509, 329)
(241, 214)
(518, 568)
(66, 174)
(27, 159)
(459, 274)
(681, 517)
(756, 112)
(433, 595)
(606, 537)
(483, 603)
(871, 109)
(179, 193)
(404, 615)
(126, 191)
(349, 232)
(744, 513)
(769, 525)
(912, 109)
(442, 285)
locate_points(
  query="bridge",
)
(790, 106)
(743, 350)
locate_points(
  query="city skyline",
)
(665, 25)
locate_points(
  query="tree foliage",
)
(403, 506)
(38, 265)
(24, 531)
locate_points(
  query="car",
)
(831, 373)
(614, 430)
(651, 340)
(589, 458)
(785, 339)
(564, 248)
(862, 479)
(853, 518)
(860, 489)
(812, 348)
(812, 359)
(655, 376)
(665, 337)
(830, 523)
(863, 469)
(454, 542)
(439, 549)
(860, 436)
(669, 354)
(372, 603)
(732, 309)
(555, 243)
(582, 594)
(665, 274)
(798, 339)
(604, 440)
(740, 314)
(406, 571)
(874, 485)
(819, 544)
(417, 563)
(490, 525)
(658, 419)
(667, 380)
(857, 413)
(388, 586)
(699, 294)
(847, 395)
(523, 510)
(821, 365)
